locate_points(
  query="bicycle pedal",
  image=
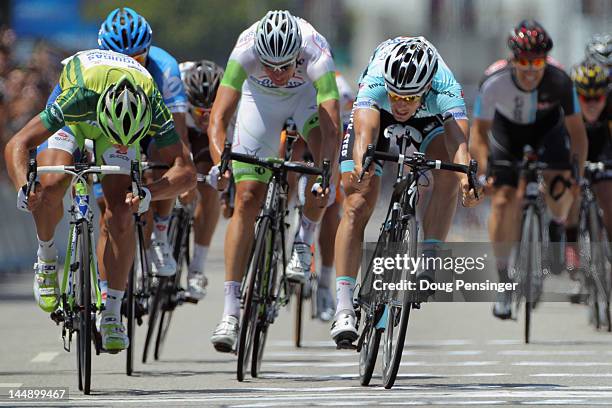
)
(345, 345)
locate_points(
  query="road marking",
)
(347, 354)
(571, 375)
(449, 364)
(503, 341)
(421, 343)
(44, 357)
(562, 363)
(548, 352)
(403, 363)
(10, 385)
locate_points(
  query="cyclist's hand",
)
(31, 203)
(487, 184)
(323, 199)
(138, 205)
(220, 183)
(365, 180)
(468, 198)
(189, 197)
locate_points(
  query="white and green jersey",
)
(315, 67)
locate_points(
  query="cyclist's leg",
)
(603, 191)
(162, 261)
(307, 120)
(59, 149)
(505, 206)
(260, 119)
(327, 237)
(358, 206)
(205, 219)
(116, 243)
(555, 150)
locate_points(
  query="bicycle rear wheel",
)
(599, 271)
(180, 242)
(83, 305)
(154, 312)
(248, 321)
(398, 311)
(368, 353)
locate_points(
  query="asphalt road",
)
(456, 354)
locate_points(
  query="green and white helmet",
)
(124, 112)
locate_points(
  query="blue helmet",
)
(125, 31)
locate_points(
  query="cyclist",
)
(592, 85)
(525, 101)
(111, 99)
(406, 83)
(326, 305)
(201, 80)
(280, 68)
(599, 50)
(127, 32)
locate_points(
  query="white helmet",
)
(599, 49)
(410, 66)
(278, 38)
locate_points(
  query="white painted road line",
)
(45, 357)
(548, 352)
(10, 385)
(562, 363)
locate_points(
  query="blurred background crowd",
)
(35, 35)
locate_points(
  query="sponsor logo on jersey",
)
(321, 43)
(119, 155)
(56, 112)
(172, 87)
(267, 82)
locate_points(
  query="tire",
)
(368, 354)
(154, 312)
(531, 234)
(398, 315)
(179, 237)
(266, 292)
(598, 265)
(83, 302)
(248, 319)
(131, 320)
(299, 305)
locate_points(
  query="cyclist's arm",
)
(17, 149)
(367, 123)
(479, 143)
(456, 131)
(180, 125)
(180, 178)
(578, 138)
(221, 115)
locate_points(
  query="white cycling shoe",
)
(503, 306)
(196, 285)
(46, 285)
(344, 330)
(225, 336)
(326, 305)
(114, 336)
(298, 269)
(162, 261)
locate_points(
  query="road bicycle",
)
(384, 314)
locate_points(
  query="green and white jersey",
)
(84, 77)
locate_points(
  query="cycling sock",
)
(46, 250)
(114, 298)
(502, 269)
(103, 290)
(345, 286)
(160, 230)
(571, 233)
(325, 276)
(200, 252)
(231, 305)
(306, 231)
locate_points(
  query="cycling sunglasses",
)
(594, 98)
(526, 63)
(279, 68)
(141, 58)
(405, 98)
(200, 112)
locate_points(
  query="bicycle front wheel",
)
(130, 312)
(248, 321)
(83, 305)
(299, 306)
(398, 312)
(531, 235)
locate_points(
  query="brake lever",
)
(325, 174)
(472, 179)
(32, 173)
(368, 158)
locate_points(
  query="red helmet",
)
(529, 37)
